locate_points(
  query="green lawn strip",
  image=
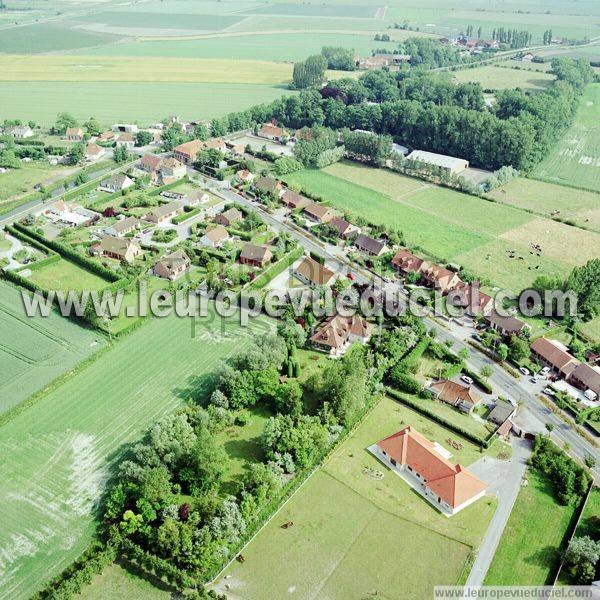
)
(65, 275)
(528, 553)
(58, 452)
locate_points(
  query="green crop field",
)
(65, 275)
(146, 102)
(345, 522)
(147, 20)
(501, 78)
(34, 351)
(549, 199)
(272, 46)
(57, 454)
(49, 37)
(316, 10)
(452, 226)
(528, 550)
(575, 160)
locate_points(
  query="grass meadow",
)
(501, 78)
(528, 553)
(452, 226)
(35, 351)
(345, 523)
(580, 206)
(58, 453)
(65, 275)
(575, 160)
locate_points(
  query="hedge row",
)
(414, 356)
(423, 409)
(24, 237)
(277, 268)
(73, 255)
(156, 566)
(79, 574)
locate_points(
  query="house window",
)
(439, 500)
(384, 452)
(410, 469)
(393, 461)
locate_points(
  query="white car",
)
(524, 371)
(466, 379)
(545, 371)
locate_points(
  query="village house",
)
(405, 262)
(126, 140)
(337, 333)
(439, 278)
(318, 213)
(313, 273)
(553, 354)
(502, 412)
(269, 185)
(125, 127)
(215, 237)
(74, 134)
(369, 245)
(586, 378)
(456, 394)
(293, 200)
(171, 170)
(21, 132)
(215, 144)
(163, 213)
(505, 326)
(235, 148)
(186, 153)
(106, 137)
(122, 227)
(424, 465)
(271, 131)
(117, 183)
(71, 215)
(149, 163)
(172, 266)
(195, 198)
(245, 176)
(122, 249)
(469, 297)
(93, 152)
(344, 229)
(450, 164)
(255, 256)
(229, 217)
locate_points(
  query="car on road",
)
(533, 380)
(524, 371)
(351, 276)
(466, 379)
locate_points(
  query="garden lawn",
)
(117, 583)
(587, 524)
(502, 78)
(65, 275)
(575, 159)
(34, 351)
(242, 444)
(145, 102)
(582, 207)
(16, 182)
(57, 455)
(529, 550)
(345, 523)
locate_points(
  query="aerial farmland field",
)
(345, 521)
(502, 78)
(453, 226)
(58, 453)
(575, 160)
(33, 352)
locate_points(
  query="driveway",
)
(504, 479)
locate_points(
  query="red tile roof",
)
(452, 483)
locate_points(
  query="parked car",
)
(466, 379)
(548, 391)
(545, 371)
(477, 337)
(524, 371)
(533, 380)
(351, 276)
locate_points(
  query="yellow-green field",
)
(502, 78)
